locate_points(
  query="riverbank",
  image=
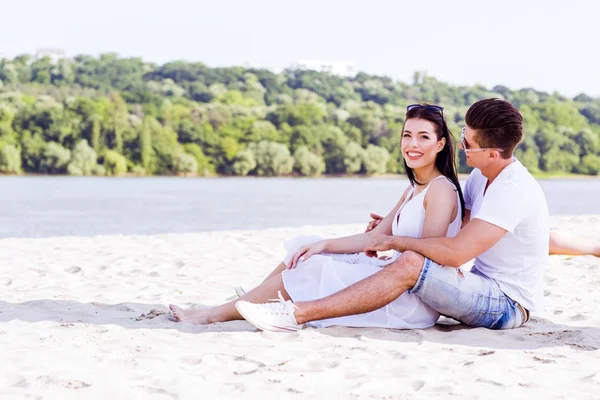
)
(462, 176)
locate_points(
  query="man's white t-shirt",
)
(514, 201)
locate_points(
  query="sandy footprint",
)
(152, 314)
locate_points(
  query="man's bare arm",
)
(466, 218)
(471, 241)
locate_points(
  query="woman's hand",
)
(306, 251)
(376, 219)
(370, 226)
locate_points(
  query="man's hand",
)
(377, 242)
(305, 252)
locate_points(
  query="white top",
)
(410, 217)
(515, 202)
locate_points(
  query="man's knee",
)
(412, 258)
(409, 265)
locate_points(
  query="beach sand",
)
(77, 321)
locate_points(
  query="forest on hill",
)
(111, 116)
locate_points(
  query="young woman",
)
(431, 206)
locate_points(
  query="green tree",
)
(245, 163)
(590, 165)
(262, 130)
(54, 158)
(354, 157)
(306, 136)
(33, 147)
(334, 142)
(588, 141)
(41, 71)
(114, 163)
(117, 123)
(10, 159)
(184, 163)
(205, 166)
(272, 159)
(529, 158)
(83, 160)
(8, 72)
(96, 134)
(556, 161)
(297, 114)
(146, 151)
(229, 148)
(308, 163)
(376, 159)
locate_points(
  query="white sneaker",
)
(239, 291)
(276, 317)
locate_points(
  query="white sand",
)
(68, 329)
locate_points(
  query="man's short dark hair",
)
(498, 124)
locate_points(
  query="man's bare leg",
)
(367, 295)
(566, 243)
(227, 312)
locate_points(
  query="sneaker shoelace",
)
(280, 305)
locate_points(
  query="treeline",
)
(112, 116)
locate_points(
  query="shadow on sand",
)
(538, 333)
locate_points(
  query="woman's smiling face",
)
(420, 143)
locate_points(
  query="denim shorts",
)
(469, 297)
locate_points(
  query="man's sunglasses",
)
(428, 107)
(463, 143)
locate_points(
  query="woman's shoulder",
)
(442, 187)
(441, 182)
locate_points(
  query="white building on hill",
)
(54, 54)
(340, 68)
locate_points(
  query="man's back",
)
(515, 202)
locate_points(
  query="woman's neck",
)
(426, 174)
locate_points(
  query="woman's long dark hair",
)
(444, 161)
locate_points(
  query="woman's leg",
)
(227, 312)
(278, 270)
(566, 243)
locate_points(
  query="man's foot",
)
(239, 291)
(276, 317)
(196, 317)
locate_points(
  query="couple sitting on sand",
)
(501, 221)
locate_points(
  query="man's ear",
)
(441, 144)
(494, 155)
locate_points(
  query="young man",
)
(507, 234)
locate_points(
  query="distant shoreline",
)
(542, 176)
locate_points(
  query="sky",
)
(546, 45)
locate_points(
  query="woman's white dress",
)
(324, 274)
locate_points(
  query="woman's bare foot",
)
(196, 317)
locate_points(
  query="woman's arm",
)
(562, 242)
(356, 243)
(441, 207)
(349, 244)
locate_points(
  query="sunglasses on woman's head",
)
(463, 143)
(428, 107)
